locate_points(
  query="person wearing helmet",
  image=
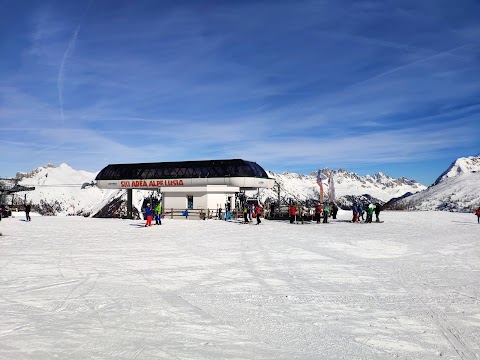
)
(148, 214)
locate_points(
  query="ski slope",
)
(84, 288)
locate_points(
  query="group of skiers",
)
(249, 211)
(228, 214)
(322, 212)
(157, 212)
(359, 210)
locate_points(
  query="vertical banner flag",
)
(331, 188)
(319, 182)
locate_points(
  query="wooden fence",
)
(198, 214)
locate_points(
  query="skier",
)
(318, 212)
(477, 212)
(249, 211)
(334, 210)
(360, 211)
(266, 211)
(326, 209)
(301, 213)
(148, 214)
(292, 212)
(158, 214)
(245, 214)
(28, 207)
(355, 213)
(370, 210)
(258, 210)
(378, 208)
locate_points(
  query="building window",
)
(189, 201)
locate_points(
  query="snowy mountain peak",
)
(58, 190)
(460, 166)
(21, 175)
(456, 189)
(64, 166)
(454, 193)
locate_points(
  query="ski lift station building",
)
(187, 184)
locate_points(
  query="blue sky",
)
(391, 86)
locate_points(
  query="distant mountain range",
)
(349, 187)
(58, 190)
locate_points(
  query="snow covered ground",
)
(83, 288)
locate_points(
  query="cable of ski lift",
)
(82, 186)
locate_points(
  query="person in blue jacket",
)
(148, 214)
(355, 213)
(360, 212)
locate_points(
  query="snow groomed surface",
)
(77, 288)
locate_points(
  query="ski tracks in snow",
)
(448, 330)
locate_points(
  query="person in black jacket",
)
(334, 210)
(28, 207)
(378, 208)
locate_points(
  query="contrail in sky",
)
(401, 67)
(61, 72)
(66, 54)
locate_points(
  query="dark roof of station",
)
(183, 169)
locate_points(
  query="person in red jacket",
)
(477, 212)
(292, 212)
(258, 211)
(318, 213)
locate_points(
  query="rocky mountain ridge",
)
(349, 187)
